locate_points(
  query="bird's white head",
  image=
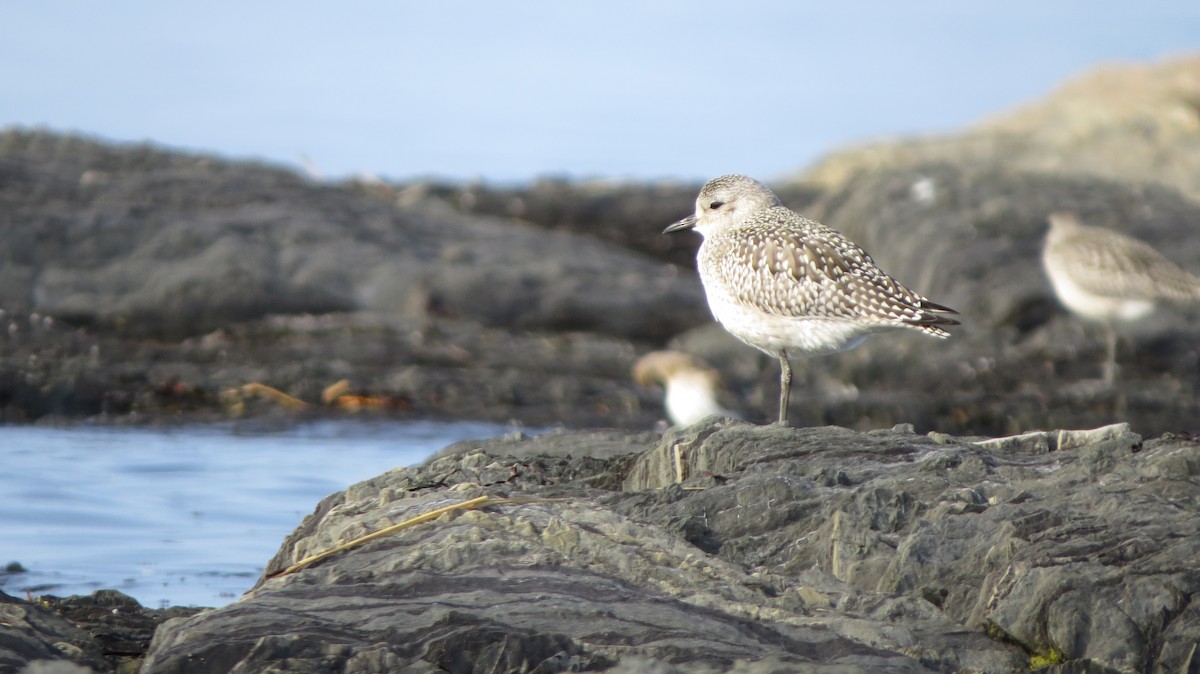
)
(724, 202)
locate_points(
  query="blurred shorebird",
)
(1107, 277)
(690, 386)
(790, 286)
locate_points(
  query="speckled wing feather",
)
(1106, 263)
(791, 266)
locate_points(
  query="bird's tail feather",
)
(933, 320)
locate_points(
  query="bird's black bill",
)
(686, 223)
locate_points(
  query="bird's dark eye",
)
(715, 205)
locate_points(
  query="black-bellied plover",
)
(1104, 276)
(690, 386)
(790, 286)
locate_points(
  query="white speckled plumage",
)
(791, 286)
(1104, 276)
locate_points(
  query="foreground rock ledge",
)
(781, 550)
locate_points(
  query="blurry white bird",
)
(1107, 277)
(690, 386)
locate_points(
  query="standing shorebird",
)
(789, 286)
(1108, 277)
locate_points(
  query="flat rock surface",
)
(821, 549)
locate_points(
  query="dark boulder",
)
(106, 632)
(821, 549)
(154, 242)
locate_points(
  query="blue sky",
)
(508, 92)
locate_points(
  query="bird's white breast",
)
(798, 336)
(690, 397)
(1092, 306)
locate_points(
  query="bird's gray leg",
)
(1110, 361)
(785, 388)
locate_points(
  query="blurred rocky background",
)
(139, 284)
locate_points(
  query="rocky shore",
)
(723, 546)
(141, 285)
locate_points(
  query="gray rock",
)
(820, 549)
(107, 631)
(55, 667)
(163, 243)
(628, 214)
(590, 444)
(30, 633)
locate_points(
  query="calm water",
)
(183, 516)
